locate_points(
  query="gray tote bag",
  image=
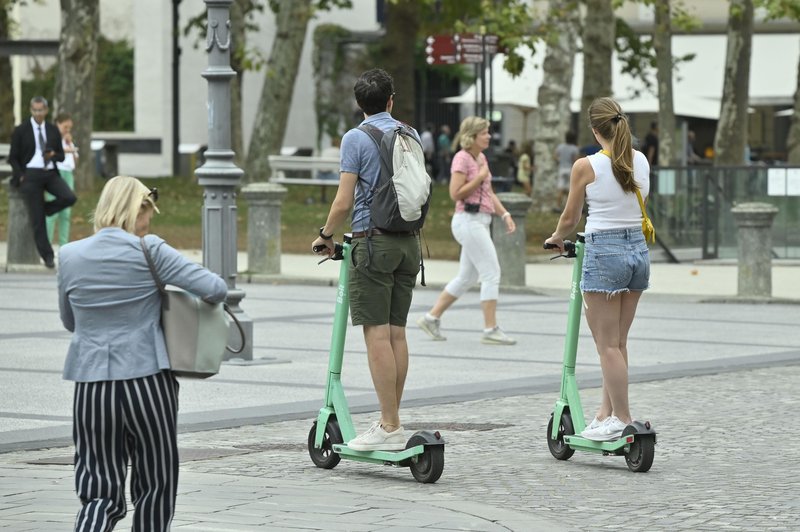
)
(196, 332)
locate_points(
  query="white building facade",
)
(147, 25)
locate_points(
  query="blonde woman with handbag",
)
(126, 396)
(616, 266)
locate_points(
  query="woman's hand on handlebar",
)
(555, 243)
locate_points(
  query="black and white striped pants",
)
(118, 421)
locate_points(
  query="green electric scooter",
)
(637, 443)
(424, 452)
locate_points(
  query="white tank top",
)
(610, 207)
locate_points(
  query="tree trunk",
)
(336, 63)
(77, 59)
(6, 84)
(553, 116)
(402, 26)
(662, 42)
(291, 24)
(793, 143)
(598, 45)
(239, 40)
(731, 137)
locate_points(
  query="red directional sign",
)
(440, 50)
(458, 48)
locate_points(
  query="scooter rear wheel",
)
(640, 456)
(428, 466)
(558, 448)
(324, 457)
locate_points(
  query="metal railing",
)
(691, 207)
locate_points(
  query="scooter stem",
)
(339, 321)
(575, 307)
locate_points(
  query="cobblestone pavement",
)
(725, 460)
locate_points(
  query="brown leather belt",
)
(376, 231)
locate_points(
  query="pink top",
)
(464, 163)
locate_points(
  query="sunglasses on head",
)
(153, 194)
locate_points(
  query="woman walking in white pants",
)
(476, 203)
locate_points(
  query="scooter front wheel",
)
(558, 448)
(428, 466)
(324, 457)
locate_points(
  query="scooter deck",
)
(378, 456)
(577, 442)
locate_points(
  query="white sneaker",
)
(594, 425)
(611, 429)
(431, 327)
(377, 439)
(497, 337)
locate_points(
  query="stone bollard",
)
(264, 202)
(754, 222)
(21, 248)
(511, 247)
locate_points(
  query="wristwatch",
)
(323, 236)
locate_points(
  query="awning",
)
(697, 84)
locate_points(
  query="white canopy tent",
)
(697, 84)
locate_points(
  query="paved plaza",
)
(718, 381)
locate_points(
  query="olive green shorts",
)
(381, 285)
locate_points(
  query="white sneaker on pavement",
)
(496, 336)
(431, 327)
(377, 439)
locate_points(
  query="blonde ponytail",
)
(606, 117)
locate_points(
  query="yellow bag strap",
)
(641, 204)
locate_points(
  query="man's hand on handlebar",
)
(320, 246)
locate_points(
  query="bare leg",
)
(605, 318)
(384, 371)
(443, 303)
(400, 350)
(627, 311)
(489, 308)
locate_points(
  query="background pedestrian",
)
(476, 203)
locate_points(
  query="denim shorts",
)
(615, 261)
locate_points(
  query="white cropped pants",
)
(478, 261)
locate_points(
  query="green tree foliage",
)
(636, 52)
(113, 103)
(42, 83)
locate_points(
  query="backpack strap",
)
(376, 134)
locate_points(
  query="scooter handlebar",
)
(568, 246)
(569, 249)
(337, 254)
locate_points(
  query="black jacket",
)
(23, 146)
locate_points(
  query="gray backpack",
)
(402, 193)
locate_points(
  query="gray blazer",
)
(108, 298)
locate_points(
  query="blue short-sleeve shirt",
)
(359, 155)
